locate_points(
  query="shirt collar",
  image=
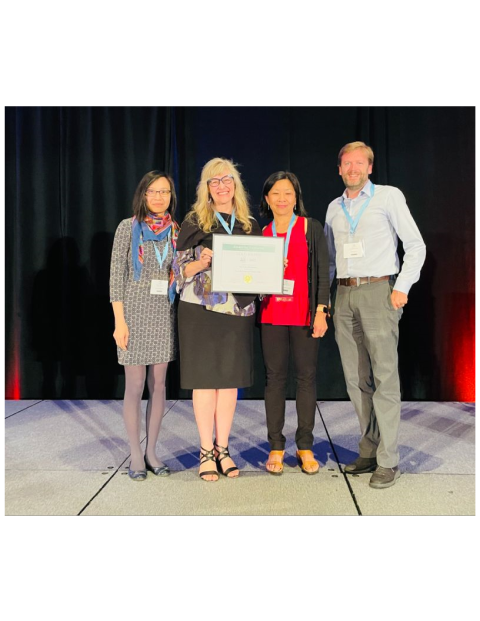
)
(366, 190)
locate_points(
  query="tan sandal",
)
(306, 459)
(275, 462)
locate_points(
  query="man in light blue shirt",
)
(362, 229)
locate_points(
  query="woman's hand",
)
(206, 258)
(121, 335)
(319, 325)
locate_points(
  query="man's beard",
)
(361, 180)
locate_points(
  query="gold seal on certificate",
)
(247, 264)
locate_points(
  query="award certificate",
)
(247, 264)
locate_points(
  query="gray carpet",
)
(71, 457)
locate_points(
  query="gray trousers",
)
(366, 331)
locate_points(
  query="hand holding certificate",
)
(247, 264)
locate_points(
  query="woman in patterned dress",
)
(142, 291)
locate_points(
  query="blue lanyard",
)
(224, 224)
(289, 232)
(354, 223)
(162, 258)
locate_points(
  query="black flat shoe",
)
(159, 471)
(137, 475)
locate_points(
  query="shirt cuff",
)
(402, 285)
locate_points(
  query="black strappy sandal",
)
(222, 454)
(207, 456)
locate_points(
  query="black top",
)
(318, 267)
(191, 235)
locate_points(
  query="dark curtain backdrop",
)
(70, 178)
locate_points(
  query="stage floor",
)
(71, 458)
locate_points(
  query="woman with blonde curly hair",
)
(215, 329)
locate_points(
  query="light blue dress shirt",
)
(386, 219)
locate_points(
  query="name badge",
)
(288, 286)
(159, 287)
(353, 250)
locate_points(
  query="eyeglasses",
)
(214, 183)
(155, 192)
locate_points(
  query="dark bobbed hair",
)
(268, 185)
(140, 208)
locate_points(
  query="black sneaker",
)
(384, 477)
(361, 465)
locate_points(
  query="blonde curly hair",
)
(202, 210)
